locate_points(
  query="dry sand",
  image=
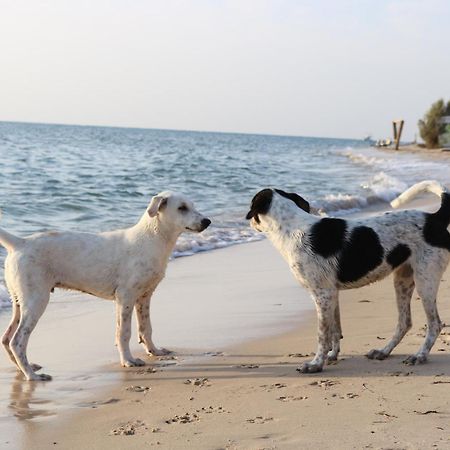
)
(247, 395)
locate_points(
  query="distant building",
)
(444, 138)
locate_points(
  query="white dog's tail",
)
(8, 240)
(427, 186)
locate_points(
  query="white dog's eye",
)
(183, 208)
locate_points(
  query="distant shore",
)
(420, 150)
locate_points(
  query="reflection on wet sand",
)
(24, 404)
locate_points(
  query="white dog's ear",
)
(156, 205)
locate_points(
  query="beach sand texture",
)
(232, 383)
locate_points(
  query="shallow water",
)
(100, 178)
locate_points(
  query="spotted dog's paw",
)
(415, 359)
(377, 354)
(309, 367)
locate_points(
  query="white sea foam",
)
(213, 239)
(5, 301)
(381, 188)
(360, 158)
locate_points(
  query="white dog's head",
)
(178, 212)
(268, 200)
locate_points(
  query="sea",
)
(90, 178)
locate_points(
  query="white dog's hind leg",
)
(336, 335)
(404, 288)
(123, 333)
(31, 309)
(9, 333)
(145, 327)
(326, 301)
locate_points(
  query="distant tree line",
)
(431, 126)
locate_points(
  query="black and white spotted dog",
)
(327, 255)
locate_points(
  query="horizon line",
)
(176, 130)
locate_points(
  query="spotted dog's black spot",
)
(444, 211)
(299, 201)
(260, 204)
(327, 236)
(361, 254)
(435, 229)
(398, 255)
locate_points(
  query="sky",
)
(327, 68)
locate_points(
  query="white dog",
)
(123, 265)
(330, 254)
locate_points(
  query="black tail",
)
(435, 228)
(443, 215)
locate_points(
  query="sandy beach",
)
(239, 325)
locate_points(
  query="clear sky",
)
(337, 68)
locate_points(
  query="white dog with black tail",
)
(327, 255)
(122, 265)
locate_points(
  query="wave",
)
(360, 158)
(5, 301)
(382, 188)
(214, 239)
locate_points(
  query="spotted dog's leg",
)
(427, 280)
(145, 327)
(404, 288)
(336, 335)
(31, 309)
(124, 306)
(326, 301)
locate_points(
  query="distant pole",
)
(397, 142)
(397, 131)
(394, 125)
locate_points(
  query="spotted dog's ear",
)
(157, 204)
(260, 204)
(299, 201)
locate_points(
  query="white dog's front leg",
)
(123, 333)
(145, 327)
(326, 301)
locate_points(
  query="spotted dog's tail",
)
(8, 240)
(443, 214)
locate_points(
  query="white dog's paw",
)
(35, 367)
(39, 377)
(159, 351)
(133, 362)
(310, 367)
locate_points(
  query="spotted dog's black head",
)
(263, 199)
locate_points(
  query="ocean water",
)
(100, 178)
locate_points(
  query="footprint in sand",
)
(129, 428)
(146, 370)
(185, 418)
(200, 382)
(271, 387)
(247, 366)
(212, 410)
(143, 389)
(260, 420)
(324, 383)
(290, 398)
(97, 403)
